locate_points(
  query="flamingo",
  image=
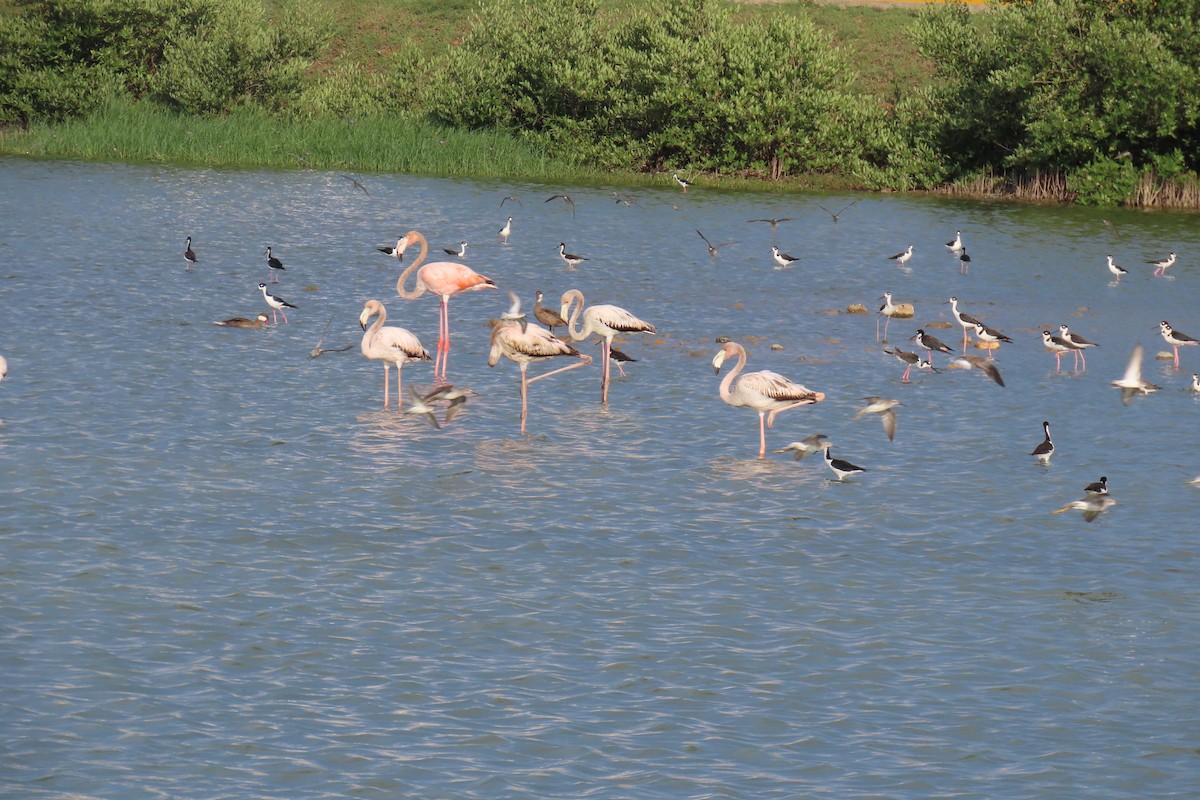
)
(768, 393)
(389, 345)
(443, 278)
(522, 347)
(603, 320)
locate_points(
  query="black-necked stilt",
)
(903, 256)
(804, 447)
(1092, 506)
(712, 248)
(514, 313)
(547, 316)
(1116, 269)
(274, 265)
(837, 217)
(1058, 346)
(241, 322)
(572, 260)
(1046, 449)
(909, 360)
(1131, 382)
(1099, 487)
(990, 335)
(682, 183)
(1160, 267)
(930, 343)
(276, 303)
(1175, 339)
(396, 252)
(843, 469)
(884, 408)
(963, 318)
(889, 310)
(964, 261)
(459, 252)
(566, 198)
(506, 231)
(1076, 341)
(189, 257)
(782, 259)
(955, 244)
(618, 358)
(972, 361)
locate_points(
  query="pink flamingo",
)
(443, 278)
(534, 343)
(768, 393)
(603, 320)
(389, 345)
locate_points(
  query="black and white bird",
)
(964, 319)
(1092, 506)
(955, 244)
(682, 183)
(506, 231)
(884, 408)
(572, 260)
(1058, 346)
(782, 259)
(1131, 382)
(1079, 343)
(930, 343)
(1176, 339)
(276, 303)
(909, 360)
(1116, 269)
(274, 265)
(189, 257)
(396, 252)
(805, 446)
(972, 361)
(842, 469)
(964, 261)
(1099, 487)
(903, 256)
(990, 335)
(1161, 266)
(1046, 449)
(619, 358)
(889, 310)
(460, 252)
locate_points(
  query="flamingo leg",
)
(762, 434)
(386, 380)
(604, 372)
(399, 381)
(524, 396)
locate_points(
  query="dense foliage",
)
(1103, 92)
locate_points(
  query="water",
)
(228, 573)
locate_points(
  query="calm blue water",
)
(227, 573)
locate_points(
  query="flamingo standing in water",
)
(390, 345)
(766, 392)
(525, 345)
(443, 278)
(603, 320)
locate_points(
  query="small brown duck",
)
(241, 322)
(547, 316)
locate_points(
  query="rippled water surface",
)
(228, 573)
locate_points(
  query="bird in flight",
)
(836, 216)
(712, 248)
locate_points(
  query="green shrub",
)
(1103, 182)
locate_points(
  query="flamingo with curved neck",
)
(526, 345)
(766, 392)
(390, 345)
(604, 321)
(443, 278)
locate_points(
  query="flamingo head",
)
(721, 355)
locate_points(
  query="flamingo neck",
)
(420, 259)
(576, 334)
(727, 382)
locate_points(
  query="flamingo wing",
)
(447, 277)
(616, 320)
(765, 389)
(399, 344)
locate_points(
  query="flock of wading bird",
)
(523, 341)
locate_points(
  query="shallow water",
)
(228, 573)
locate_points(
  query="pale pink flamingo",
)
(606, 322)
(768, 393)
(443, 278)
(522, 346)
(390, 345)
